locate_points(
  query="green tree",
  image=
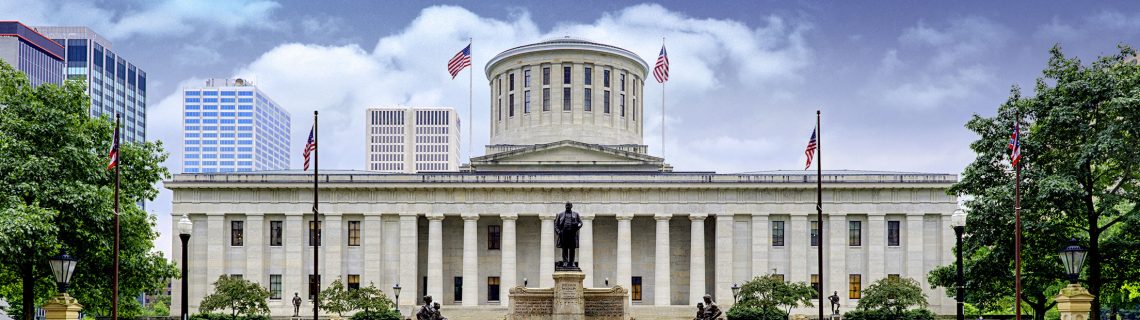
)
(772, 293)
(892, 296)
(238, 295)
(336, 299)
(1079, 180)
(369, 299)
(55, 192)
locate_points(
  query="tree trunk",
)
(1094, 242)
(28, 297)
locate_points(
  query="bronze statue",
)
(438, 315)
(566, 226)
(834, 298)
(711, 312)
(296, 303)
(427, 311)
(700, 311)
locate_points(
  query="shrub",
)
(917, 314)
(223, 316)
(738, 312)
(389, 314)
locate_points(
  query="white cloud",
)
(197, 55)
(963, 39)
(150, 18)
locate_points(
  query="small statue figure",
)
(438, 315)
(566, 226)
(700, 311)
(427, 311)
(834, 298)
(296, 304)
(712, 312)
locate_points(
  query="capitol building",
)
(566, 126)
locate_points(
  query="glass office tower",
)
(31, 52)
(231, 126)
(114, 84)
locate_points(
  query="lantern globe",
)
(958, 219)
(185, 226)
(1073, 257)
(62, 267)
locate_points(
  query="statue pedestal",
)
(1074, 302)
(62, 307)
(568, 300)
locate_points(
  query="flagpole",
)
(819, 205)
(1017, 216)
(470, 103)
(662, 114)
(316, 223)
(115, 274)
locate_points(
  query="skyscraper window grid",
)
(231, 126)
(412, 139)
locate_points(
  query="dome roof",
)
(565, 43)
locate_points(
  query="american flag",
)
(1015, 144)
(461, 60)
(114, 154)
(661, 70)
(310, 147)
(810, 150)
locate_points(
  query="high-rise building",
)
(114, 84)
(231, 126)
(31, 52)
(412, 139)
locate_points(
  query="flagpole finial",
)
(314, 112)
(817, 112)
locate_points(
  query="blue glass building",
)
(231, 126)
(114, 84)
(31, 52)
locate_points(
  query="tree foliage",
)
(892, 296)
(1080, 179)
(335, 299)
(772, 293)
(56, 191)
(369, 299)
(237, 295)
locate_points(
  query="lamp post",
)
(1073, 257)
(184, 228)
(1074, 301)
(396, 291)
(62, 306)
(735, 292)
(958, 220)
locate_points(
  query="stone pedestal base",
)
(1074, 303)
(62, 307)
(568, 302)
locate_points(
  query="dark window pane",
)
(236, 233)
(855, 233)
(275, 233)
(778, 233)
(893, 233)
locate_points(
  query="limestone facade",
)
(425, 230)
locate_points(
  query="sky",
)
(895, 80)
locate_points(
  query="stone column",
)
(624, 270)
(661, 275)
(723, 254)
(836, 255)
(219, 240)
(372, 237)
(546, 252)
(435, 256)
(697, 258)
(470, 260)
(332, 241)
(761, 239)
(877, 246)
(254, 251)
(509, 260)
(293, 239)
(408, 260)
(586, 249)
(797, 238)
(1073, 302)
(914, 243)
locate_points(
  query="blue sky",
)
(896, 80)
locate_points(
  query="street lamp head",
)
(396, 289)
(62, 267)
(185, 225)
(524, 282)
(735, 291)
(1073, 257)
(958, 219)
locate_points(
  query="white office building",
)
(412, 139)
(231, 126)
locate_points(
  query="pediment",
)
(567, 153)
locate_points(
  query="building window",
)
(546, 76)
(526, 78)
(275, 287)
(511, 83)
(777, 233)
(565, 99)
(546, 99)
(314, 281)
(354, 233)
(893, 233)
(511, 105)
(815, 286)
(622, 82)
(275, 233)
(526, 101)
(236, 230)
(815, 233)
(494, 237)
(778, 276)
(500, 109)
(606, 78)
(606, 101)
(856, 286)
(353, 281)
(492, 288)
(587, 78)
(636, 283)
(314, 233)
(565, 75)
(893, 277)
(854, 233)
(587, 99)
(458, 292)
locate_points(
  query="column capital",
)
(471, 217)
(914, 215)
(587, 217)
(546, 216)
(408, 214)
(698, 216)
(836, 214)
(509, 216)
(434, 216)
(625, 216)
(254, 214)
(662, 217)
(760, 214)
(876, 217)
